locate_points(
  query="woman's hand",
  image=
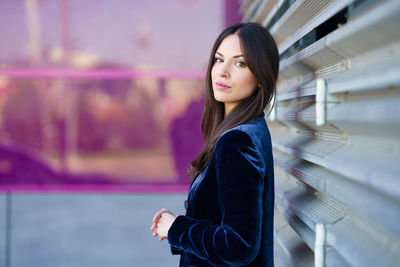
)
(162, 221)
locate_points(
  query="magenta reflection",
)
(89, 98)
(99, 132)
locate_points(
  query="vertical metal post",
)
(320, 105)
(320, 240)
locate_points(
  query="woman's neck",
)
(228, 108)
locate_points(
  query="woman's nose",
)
(224, 72)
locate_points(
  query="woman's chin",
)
(220, 98)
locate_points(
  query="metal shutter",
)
(335, 130)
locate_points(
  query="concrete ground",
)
(58, 230)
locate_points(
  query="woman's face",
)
(231, 78)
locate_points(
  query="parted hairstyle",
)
(262, 57)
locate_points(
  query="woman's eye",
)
(217, 59)
(241, 64)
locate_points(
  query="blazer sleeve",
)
(240, 173)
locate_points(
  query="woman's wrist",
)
(171, 228)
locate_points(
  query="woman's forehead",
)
(230, 46)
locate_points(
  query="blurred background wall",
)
(100, 107)
(103, 93)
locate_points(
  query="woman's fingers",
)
(158, 215)
(156, 218)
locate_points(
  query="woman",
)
(229, 213)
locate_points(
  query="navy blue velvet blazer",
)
(229, 216)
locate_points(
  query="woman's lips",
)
(221, 85)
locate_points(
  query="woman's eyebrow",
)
(233, 56)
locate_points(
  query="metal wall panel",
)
(336, 131)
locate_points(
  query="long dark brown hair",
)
(262, 58)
